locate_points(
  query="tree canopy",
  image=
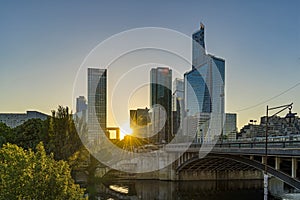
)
(25, 174)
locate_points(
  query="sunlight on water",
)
(118, 188)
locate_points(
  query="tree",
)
(62, 138)
(25, 174)
(5, 133)
(29, 134)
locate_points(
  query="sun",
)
(125, 130)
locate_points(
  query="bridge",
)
(282, 162)
(226, 161)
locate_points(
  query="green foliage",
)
(29, 134)
(62, 138)
(58, 133)
(28, 175)
(5, 133)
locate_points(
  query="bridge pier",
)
(294, 167)
(276, 186)
(277, 163)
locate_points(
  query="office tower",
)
(97, 105)
(161, 94)
(81, 104)
(204, 80)
(204, 91)
(81, 110)
(230, 129)
(178, 105)
(201, 85)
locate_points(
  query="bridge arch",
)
(245, 162)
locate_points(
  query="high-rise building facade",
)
(198, 47)
(161, 94)
(204, 91)
(81, 104)
(97, 102)
(230, 128)
(81, 109)
(178, 105)
(204, 80)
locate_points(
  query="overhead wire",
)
(269, 99)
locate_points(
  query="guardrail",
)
(261, 144)
(241, 144)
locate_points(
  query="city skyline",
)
(42, 51)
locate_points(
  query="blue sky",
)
(43, 43)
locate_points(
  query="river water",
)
(184, 190)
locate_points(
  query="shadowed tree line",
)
(59, 140)
(57, 132)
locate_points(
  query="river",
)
(183, 190)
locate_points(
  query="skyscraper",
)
(81, 108)
(204, 80)
(201, 83)
(81, 104)
(97, 105)
(204, 90)
(230, 129)
(161, 94)
(198, 47)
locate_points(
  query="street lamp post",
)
(282, 108)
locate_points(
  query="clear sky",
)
(43, 43)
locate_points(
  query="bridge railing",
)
(239, 145)
(261, 144)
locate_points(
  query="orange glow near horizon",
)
(125, 130)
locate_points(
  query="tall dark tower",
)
(97, 105)
(161, 94)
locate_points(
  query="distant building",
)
(178, 106)
(139, 121)
(97, 102)
(230, 128)
(81, 108)
(278, 126)
(197, 128)
(15, 119)
(252, 131)
(81, 104)
(161, 94)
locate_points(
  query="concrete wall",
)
(220, 175)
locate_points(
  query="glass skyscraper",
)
(204, 80)
(97, 105)
(198, 51)
(161, 94)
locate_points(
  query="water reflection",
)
(164, 190)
